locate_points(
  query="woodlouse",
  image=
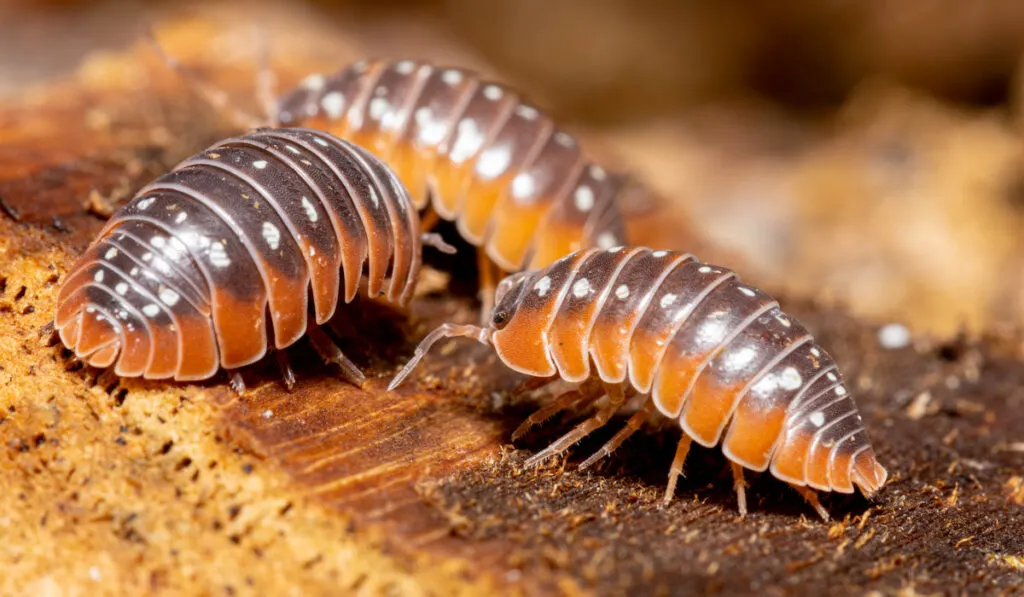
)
(699, 345)
(471, 150)
(475, 150)
(181, 280)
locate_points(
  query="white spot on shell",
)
(581, 288)
(667, 300)
(523, 185)
(181, 217)
(169, 297)
(790, 379)
(379, 108)
(110, 254)
(468, 140)
(597, 172)
(584, 198)
(145, 203)
(659, 253)
(840, 391)
(564, 139)
(616, 249)
(747, 291)
(405, 67)
(333, 104)
(705, 270)
(452, 77)
(606, 240)
(313, 82)
(738, 359)
(259, 164)
(98, 276)
(622, 291)
(218, 256)
(272, 235)
(817, 418)
(431, 131)
(493, 92)
(493, 161)
(319, 141)
(832, 377)
(815, 352)
(542, 286)
(150, 310)
(293, 149)
(309, 209)
(527, 112)
(121, 288)
(783, 320)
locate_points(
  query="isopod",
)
(697, 345)
(469, 150)
(183, 279)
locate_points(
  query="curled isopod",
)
(214, 263)
(698, 346)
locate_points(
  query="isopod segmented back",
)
(514, 184)
(217, 257)
(705, 349)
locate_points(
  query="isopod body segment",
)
(517, 187)
(700, 346)
(214, 263)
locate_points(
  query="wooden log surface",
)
(126, 487)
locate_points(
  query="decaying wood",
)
(128, 487)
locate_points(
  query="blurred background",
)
(867, 153)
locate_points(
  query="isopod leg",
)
(428, 219)
(433, 239)
(682, 449)
(740, 486)
(631, 427)
(287, 375)
(587, 392)
(447, 330)
(812, 499)
(616, 398)
(490, 276)
(237, 383)
(531, 384)
(330, 353)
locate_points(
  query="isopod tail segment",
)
(698, 346)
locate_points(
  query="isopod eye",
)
(500, 319)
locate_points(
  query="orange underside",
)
(521, 343)
(609, 345)
(839, 473)
(567, 338)
(817, 466)
(516, 229)
(104, 357)
(200, 356)
(241, 329)
(554, 240)
(448, 180)
(708, 407)
(791, 454)
(481, 197)
(134, 352)
(752, 433)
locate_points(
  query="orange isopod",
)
(701, 347)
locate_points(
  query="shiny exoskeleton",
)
(700, 346)
(515, 185)
(183, 279)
